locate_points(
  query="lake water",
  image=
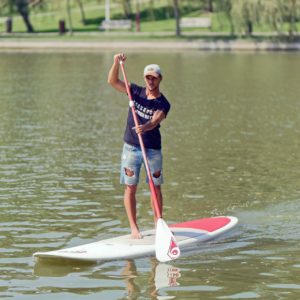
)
(231, 147)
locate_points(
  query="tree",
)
(151, 10)
(22, 7)
(127, 8)
(23, 10)
(79, 2)
(273, 14)
(292, 13)
(69, 17)
(177, 17)
(277, 12)
(246, 14)
(226, 7)
(138, 17)
(210, 6)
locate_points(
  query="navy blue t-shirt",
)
(145, 109)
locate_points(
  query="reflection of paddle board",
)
(124, 247)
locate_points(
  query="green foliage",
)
(159, 13)
(229, 16)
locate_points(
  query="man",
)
(152, 108)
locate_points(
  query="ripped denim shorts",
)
(132, 160)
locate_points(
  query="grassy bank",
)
(157, 23)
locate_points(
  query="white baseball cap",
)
(153, 70)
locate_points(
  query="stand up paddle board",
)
(124, 247)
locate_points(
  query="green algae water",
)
(231, 147)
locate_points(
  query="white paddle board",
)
(124, 247)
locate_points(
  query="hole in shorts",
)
(129, 172)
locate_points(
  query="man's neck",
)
(152, 94)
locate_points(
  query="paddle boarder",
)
(151, 107)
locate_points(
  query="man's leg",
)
(155, 164)
(130, 206)
(130, 170)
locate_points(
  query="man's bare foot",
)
(135, 234)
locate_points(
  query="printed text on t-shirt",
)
(142, 111)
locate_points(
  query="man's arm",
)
(113, 75)
(157, 118)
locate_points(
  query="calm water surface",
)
(231, 146)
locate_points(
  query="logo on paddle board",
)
(174, 250)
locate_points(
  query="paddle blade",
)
(166, 248)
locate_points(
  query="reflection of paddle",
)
(166, 247)
(166, 275)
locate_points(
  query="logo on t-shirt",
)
(142, 111)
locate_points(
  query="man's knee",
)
(156, 174)
(129, 172)
(131, 188)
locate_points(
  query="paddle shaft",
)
(136, 123)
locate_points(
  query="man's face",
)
(152, 82)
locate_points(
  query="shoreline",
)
(149, 44)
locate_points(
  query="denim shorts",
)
(132, 160)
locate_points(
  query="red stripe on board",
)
(208, 224)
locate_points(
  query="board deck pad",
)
(124, 247)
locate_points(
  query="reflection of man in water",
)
(161, 275)
(130, 273)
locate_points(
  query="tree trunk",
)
(177, 17)
(151, 10)
(293, 27)
(69, 17)
(127, 8)
(226, 6)
(138, 17)
(210, 6)
(249, 29)
(22, 7)
(81, 11)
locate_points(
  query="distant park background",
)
(232, 18)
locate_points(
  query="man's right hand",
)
(119, 57)
(113, 75)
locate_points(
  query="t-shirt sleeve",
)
(165, 106)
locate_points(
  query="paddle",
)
(166, 247)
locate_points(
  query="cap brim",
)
(154, 74)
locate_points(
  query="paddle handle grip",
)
(136, 123)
